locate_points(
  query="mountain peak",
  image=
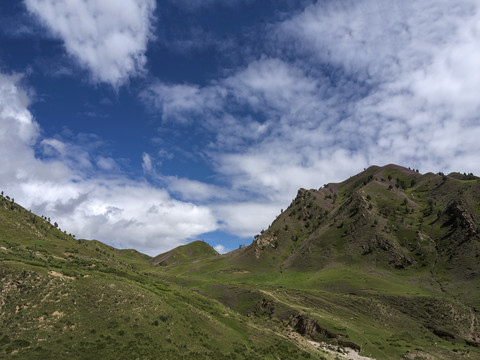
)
(185, 253)
(388, 216)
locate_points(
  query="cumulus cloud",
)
(373, 39)
(132, 215)
(107, 163)
(221, 249)
(246, 218)
(194, 190)
(109, 38)
(280, 148)
(271, 82)
(18, 133)
(266, 96)
(114, 209)
(178, 102)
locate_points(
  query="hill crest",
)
(190, 252)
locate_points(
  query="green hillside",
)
(191, 252)
(384, 265)
(387, 259)
(62, 298)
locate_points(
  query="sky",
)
(148, 124)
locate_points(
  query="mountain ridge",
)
(192, 251)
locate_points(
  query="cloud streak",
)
(108, 38)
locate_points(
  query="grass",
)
(393, 261)
(342, 299)
(195, 250)
(68, 298)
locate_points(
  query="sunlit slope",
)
(65, 298)
(185, 254)
(387, 260)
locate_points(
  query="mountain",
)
(191, 252)
(384, 265)
(387, 260)
(391, 217)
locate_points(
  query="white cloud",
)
(263, 162)
(71, 155)
(178, 102)
(132, 215)
(114, 209)
(452, 77)
(194, 190)
(107, 163)
(22, 127)
(273, 82)
(146, 163)
(18, 133)
(374, 39)
(292, 145)
(275, 172)
(221, 249)
(53, 147)
(278, 94)
(107, 37)
(245, 219)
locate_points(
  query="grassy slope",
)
(382, 259)
(67, 298)
(193, 251)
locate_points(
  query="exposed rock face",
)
(349, 344)
(264, 308)
(396, 257)
(473, 343)
(458, 212)
(267, 306)
(309, 327)
(263, 242)
(444, 334)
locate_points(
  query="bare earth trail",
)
(349, 354)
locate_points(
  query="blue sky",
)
(146, 124)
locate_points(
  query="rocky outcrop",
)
(308, 327)
(349, 344)
(444, 334)
(396, 256)
(264, 241)
(460, 216)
